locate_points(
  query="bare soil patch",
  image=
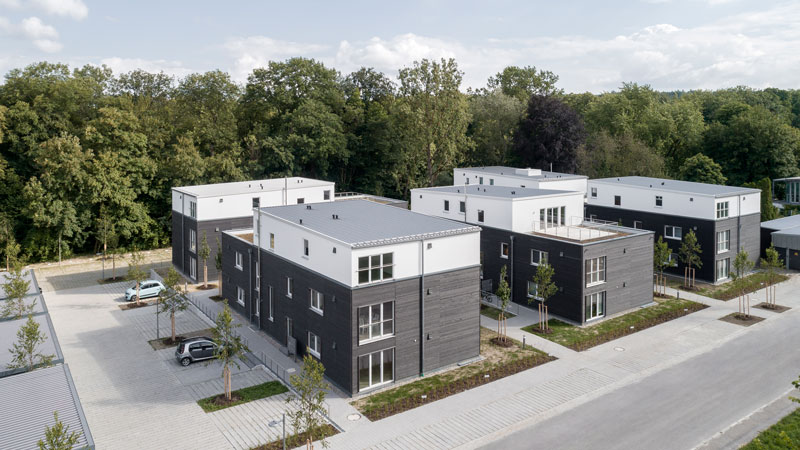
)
(771, 307)
(741, 319)
(134, 305)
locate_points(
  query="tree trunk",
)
(137, 292)
(227, 383)
(220, 284)
(205, 276)
(59, 247)
(172, 319)
(114, 266)
(430, 166)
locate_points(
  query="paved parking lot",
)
(135, 397)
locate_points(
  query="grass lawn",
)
(727, 291)
(244, 395)
(582, 338)
(498, 363)
(783, 435)
(295, 440)
(493, 313)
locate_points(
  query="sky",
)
(592, 46)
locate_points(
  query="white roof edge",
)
(186, 189)
(743, 190)
(521, 197)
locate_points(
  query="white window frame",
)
(532, 290)
(381, 266)
(192, 267)
(306, 250)
(722, 265)
(258, 304)
(723, 210)
(271, 318)
(540, 255)
(491, 181)
(507, 248)
(314, 344)
(193, 241)
(672, 235)
(272, 241)
(382, 322)
(289, 287)
(316, 301)
(480, 180)
(598, 300)
(239, 295)
(258, 277)
(383, 381)
(723, 241)
(594, 192)
(326, 194)
(637, 224)
(193, 209)
(595, 269)
(239, 260)
(447, 205)
(462, 207)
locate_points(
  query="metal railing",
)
(489, 299)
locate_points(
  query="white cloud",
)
(43, 36)
(75, 9)
(123, 65)
(256, 51)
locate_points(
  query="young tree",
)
(230, 346)
(504, 294)
(308, 419)
(742, 265)
(25, 352)
(771, 264)
(218, 264)
(58, 437)
(10, 247)
(172, 299)
(204, 252)
(662, 260)
(690, 256)
(545, 288)
(136, 270)
(16, 288)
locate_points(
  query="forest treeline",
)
(88, 156)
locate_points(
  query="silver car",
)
(195, 349)
(147, 288)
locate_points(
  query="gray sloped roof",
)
(362, 223)
(688, 187)
(29, 400)
(483, 190)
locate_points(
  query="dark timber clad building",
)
(376, 293)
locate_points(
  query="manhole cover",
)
(619, 349)
(354, 417)
(290, 370)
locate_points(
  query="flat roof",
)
(29, 400)
(511, 172)
(363, 223)
(499, 191)
(254, 186)
(782, 223)
(690, 187)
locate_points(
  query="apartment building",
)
(522, 178)
(376, 293)
(725, 219)
(212, 208)
(600, 269)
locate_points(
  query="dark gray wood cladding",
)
(181, 253)
(452, 311)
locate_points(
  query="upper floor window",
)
(316, 300)
(375, 268)
(659, 201)
(240, 296)
(722, 210)
(723, 241)
(239, 260)
(538, 257)
(466, 180)
(375, 321)
(504, 250)
(314, 344)
(491, 181)
(617, 200)
(447, 205)
(256, 202)
(673, 232)
(594, 192)
(272, 241)
(193, 210)
(595, 271)
(480, 180)
(192, 241)
(258, 277)
(480, 215)
(462, 206)
(305, 247)
(301, 200)
(289, 287)
(326, 195)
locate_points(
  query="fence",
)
(492, 300)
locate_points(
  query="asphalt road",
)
(684, 405)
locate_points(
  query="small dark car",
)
(195, 349)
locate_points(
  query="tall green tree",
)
(504, 295)
(768, 210)
(58, 436)
(523, 82)
(307, 418)
(771, 263)
(172, 299)
(689, 253)
(230, 346)
(606, 156)
(25, 353)
(662, 258)
(701, 169)
(549, 135)
(495, 118)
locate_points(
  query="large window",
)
(326, 195)
(375, 322)
(480, 180)
(193, 241)
(316, 301)
(314, 345)
(289, 287)
(723, 269)
(258, 277)
(504, 250)
(239, 260)
(595, 271)
(722, 210)
(723, 241)
(240, 296)
(375, 369)
(595, 305)
(533, 290)
(637, 224)
(193, 210)
(673, 232)
(538, 257)
(192, 268)
(375, 268)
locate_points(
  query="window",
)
(504, 250)
(637, 224)
(375, 268)
(375, 369)
(316, 299)
(239, 295)
(192, 268)
(193, 210)
(193, 241)
(300, 201)
(555, 216)
(269, 294)
(595, 305)
(326, 195)
(258, 277)
(722, 210)
(305, 247)
(272, 241)
(617, 200)
(659, 201)
(239, 259)
(594, 192)
(480, 180)
(563, 215)
(480, 215)
(723, 241)
(593, 217)
(673, 232)
(258, 305)
(447, 205)
(462, 206)
(466, 180)
(491, 181)
(289, 287)
(256, 202)
(723, 269)
(314, 345)
(595, 271)
(533, 290)
(538, 257)
(375, 322)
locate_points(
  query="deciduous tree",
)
(701, 169)
(308, 418)
(523, 82)
(545, 288)
(172, 299)
(741, 267)
(689, 253)
(16, 289)
(25, 352)
(504, 295)
(549, 135)
(230, 346)
(204, 252)
(771, 263)
(136, 271)
(662, 258)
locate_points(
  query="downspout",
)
(183, 236)
(511, 277)
(738, 226)
(258, 258)
(422, 311)
(250, 281)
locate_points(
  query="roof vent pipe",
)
(301, 221)
(308, 206)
